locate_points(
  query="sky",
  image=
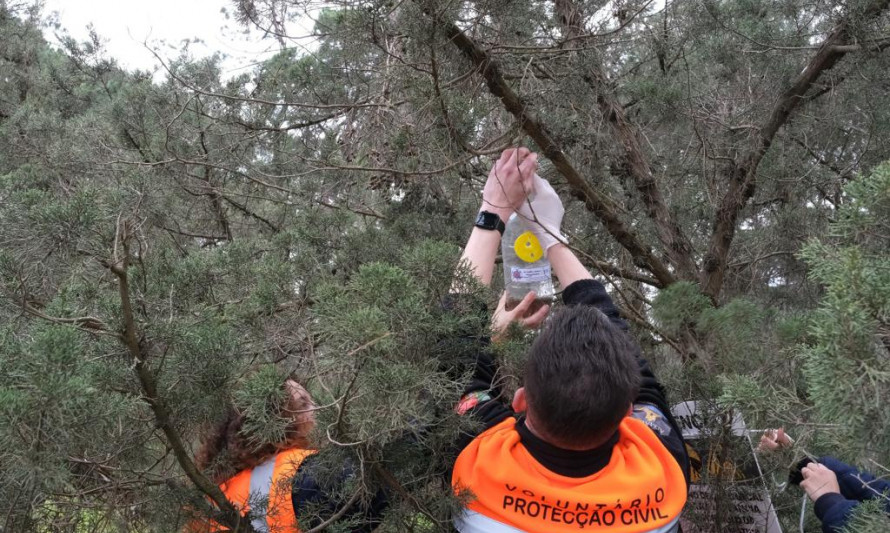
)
(126, 25)
(164, 24)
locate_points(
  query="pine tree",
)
(169, 248)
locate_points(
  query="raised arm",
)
(545, 213)
(566, 265)
(650, 405)
(579, 288)
(508, 185)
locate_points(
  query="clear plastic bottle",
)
(526, 267)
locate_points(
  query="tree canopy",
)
(173, 244)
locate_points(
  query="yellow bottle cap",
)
(528, 248)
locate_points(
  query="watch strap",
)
(490, 221)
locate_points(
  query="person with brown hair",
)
(272, 482)
(240, 452)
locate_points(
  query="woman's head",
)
(300, 408)
(227, 448)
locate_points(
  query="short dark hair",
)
(581, 376)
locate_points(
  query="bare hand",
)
(818, 480)
(519, 314)
(510, 181)
(773, 439)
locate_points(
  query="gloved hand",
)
(544, 215)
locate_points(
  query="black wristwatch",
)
(490, 221)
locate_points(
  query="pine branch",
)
(636, 165)
(609, 269)
(88, 324)
(365, 103)
(243, 209)
(193, 235)
(213, 193)
(148, 382)
(743, 175)
(842, 173)
(338, 515)
(598, 203)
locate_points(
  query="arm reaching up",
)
(507, 187)
(566, 265)
(509, 183)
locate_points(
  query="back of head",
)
(580, 378)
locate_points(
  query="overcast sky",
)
(127, 23)
(164, 24)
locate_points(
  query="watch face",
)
(490, 221)
(486, 220)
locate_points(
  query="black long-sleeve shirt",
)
(482, 400)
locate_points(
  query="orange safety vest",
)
(268, 486)
(642, 489)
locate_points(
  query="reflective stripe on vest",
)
(641, 490)
(260, 488)
(473, 522)
(263, 494)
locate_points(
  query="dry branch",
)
(147, 381)
(601, 205)
(678, 248)
(743, 173)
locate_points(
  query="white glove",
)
(544, 215)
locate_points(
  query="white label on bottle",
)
(530, 275)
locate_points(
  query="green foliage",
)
(304, 219)
(848, 349)
(870, 517)
(261, 399)
(833, 394)
(679, 306)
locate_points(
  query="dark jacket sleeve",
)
(833, 510)
(470, 353)
(856, 484)
(592, 292)
(310, 496)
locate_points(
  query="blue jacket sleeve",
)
(855, 484)
(592, 292)
(308, 492)
(833, 510)
(470, 352)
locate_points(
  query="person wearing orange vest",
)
(272, 483)
(588, 443)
